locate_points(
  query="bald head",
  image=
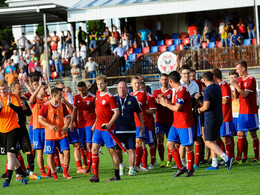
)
(122, 89)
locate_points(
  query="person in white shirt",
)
(21, 42)
(83, 54)
(91, 67)
(16, 58)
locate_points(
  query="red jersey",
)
(184, 117)
(226, 108)
(141, 98)
(163, 114)
(150, 105)
(36, 108)
(248, 105)
(105, 104)
(86, 110)
(54, 115)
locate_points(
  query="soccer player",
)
(52, 116)
(141, 134)
(23, 137)
(150, 110)
(212, 108)
(245, 90)
(227, 128)
(84, 111)
(235, 111)
(9, 106)
(125, 125)
(73, 135)
(163, 118)
(182, 129)
(107, 113)
(37, 99)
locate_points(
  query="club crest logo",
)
(168, 96)
(103, 102)
(129, 102)
(245, 84)
(166, 63)
(88, 102)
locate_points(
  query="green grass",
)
(242, 179)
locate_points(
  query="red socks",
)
(89, 157)
(197, 153)
(79, 164)
(153, 154)
(21, 161)
(83, 156)
(170, 155)
(138, 155)
(144, 157)
(54, 175)
(190, 159)
(6, 167)
(245, 148)
(220, 143)
(95, 163)
(57, 159)
(65, 168)
(256, 147)
(161, 151)
(229, 149)
(240, 140)
(176, 157)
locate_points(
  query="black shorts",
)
(211, 130)
(8, 142)
(24, 140)
(126, 138)
(22, 49)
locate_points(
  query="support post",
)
(256, 22)
(46, 45)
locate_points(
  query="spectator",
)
(91, 68)
(125, 41)
(207, 30)
(56, 56)
(144, 34)
(116, 34)
(132, 37)
(83, 54)
(74, 61)
(35, 73)
(70, 52)
(230, 29)
(236, 39)
(93, 39)
(120, 52)
(75, 74)
(251, 27)
(4, 57)
(32, 64)
(38, 43)
(159, 27)
(63, 44)
(1, 73)
(195, 40)
(191, 29)
(9, 66)
(16, 58)
(241, 27)
(21, 42)
(68, 40)
(106, 34)
(113, 42)
(11, 77)
(28, 45)
(224, 36)
(81, 35)
(21, 76)
(23, 65)
(54, 41)
(33, 51)
(221, 27)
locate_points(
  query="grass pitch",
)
(242, 179)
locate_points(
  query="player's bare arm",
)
(43, 122)
(94, 126)
(73, 118)
(225, 100)
(141, 119)
(113, 119)
(35, 93)
(177, 107)
(204, 107)
(30, 89)
(243, 94)
(64, 129)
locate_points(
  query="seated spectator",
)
(106, 34)
(91, 68)
(144, 34)
(241, 28)
(93, 37)
(56, 56)
(236, 39)
(191, 29)
(251, 27)
(11, 77)
(195, 40)
(224, 36)
(113, 42)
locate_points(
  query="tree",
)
(98, 24)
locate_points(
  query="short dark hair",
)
(185, 66)
(192, 70)
(217, 73)
(34, 79)
(82, 84)
(242, 63)
(175, 76)
(12, 86)
(164, 75)
(55, 91)
(208, 76)
(232, 72)
(142, 83)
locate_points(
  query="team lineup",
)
(192, 115)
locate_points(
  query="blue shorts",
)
(227, 129)
(128, 139)
(183, 136)
(31, 134)
(38, 139)
(140, 135)
(235, 121)
(162, 128)
(50, 145)
(88, 134)
(199, 126)
(73, 136)
(82, 136)
(150, 139)
(248, 122)
(101, 137)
